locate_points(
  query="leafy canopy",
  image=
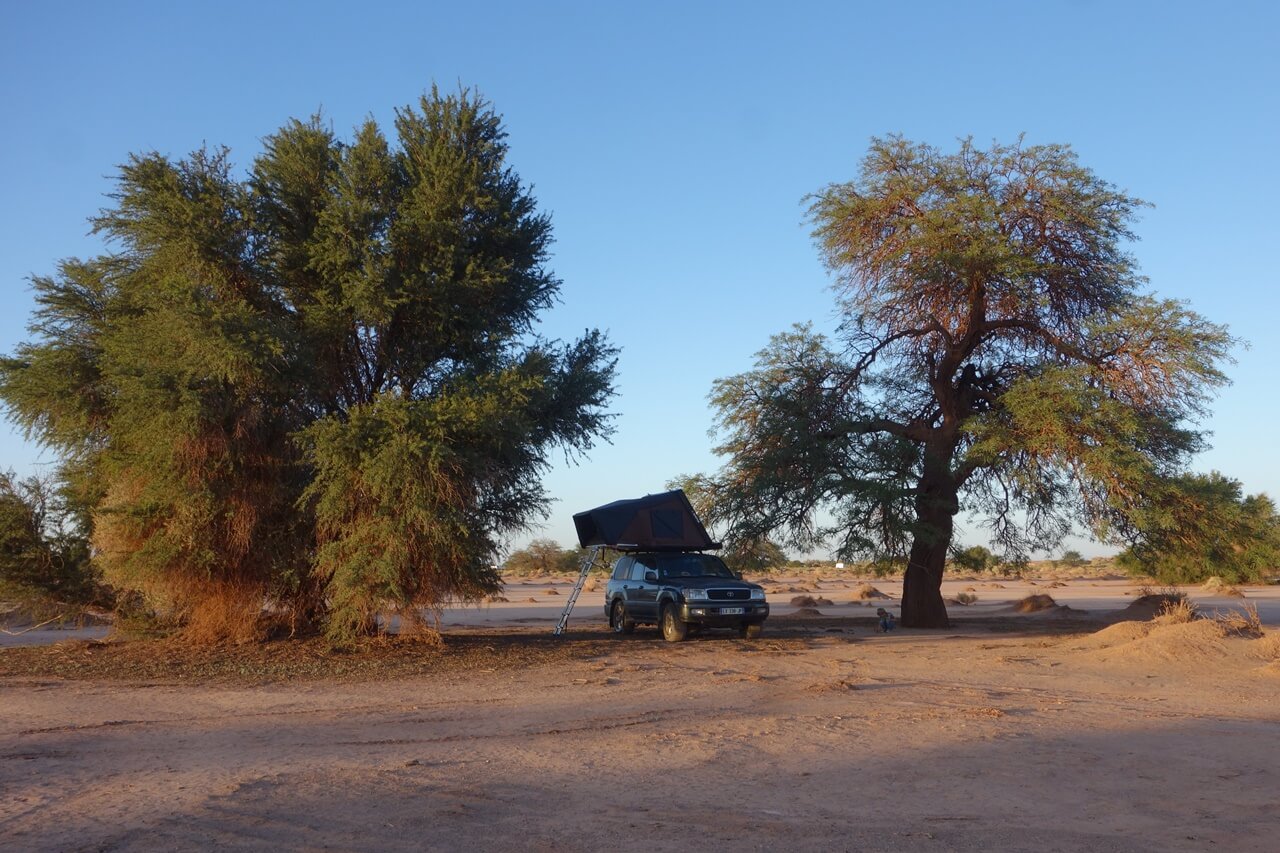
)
(1198, 526)
(996, 352)
(319, 385)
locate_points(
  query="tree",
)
(754, 555)
(995, 353)
(540, 555)
(975, 559)
(1072, 559)
(317, 387)
(742, 553)
(43, 554)
(1202, 525)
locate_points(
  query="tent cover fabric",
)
(662, 522)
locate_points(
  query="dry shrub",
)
(550, 592)
(496, 598)
(1176, 611)
(1034, 603)
(1217, 586)
(1240, 623)
(218, 611)
(970, 589)
(591, 585)
(866, 592)
(1057, 585)
(966, 598)
(1268, 646)
(417, 630)
(810, 601)
(807, 611)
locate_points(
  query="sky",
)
(673, 145)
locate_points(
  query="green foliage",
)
(319, 386)
(754, 556)
(741, 553)
(544, 556)
(996, 352)
(540, 556)
(43, 554)
(994, 345)
(975, 558)
(1072, 559)
(1198, 526)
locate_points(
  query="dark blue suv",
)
(680, 589)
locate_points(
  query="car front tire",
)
(674, 629)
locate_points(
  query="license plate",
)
(731, 611)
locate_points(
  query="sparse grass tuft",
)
(1176, 611)
(1268, 646)
(966, 598)
(1241, 623)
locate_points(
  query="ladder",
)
(587, 562)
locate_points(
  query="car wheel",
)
(618, 619)
(674, 629)
(750, 632)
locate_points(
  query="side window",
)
(644, 562)
(622, 568)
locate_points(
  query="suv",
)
(676, 590)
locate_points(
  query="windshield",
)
(692, 566)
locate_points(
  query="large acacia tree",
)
(318, 386)
(996, 355)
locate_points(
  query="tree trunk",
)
(922, 605)
(937, 502)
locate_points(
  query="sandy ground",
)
(1005, 733)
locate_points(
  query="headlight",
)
(757, 595)
(695, 594)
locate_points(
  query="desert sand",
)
(1057, 730)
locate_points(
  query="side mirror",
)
(650, 576)
(738, 575)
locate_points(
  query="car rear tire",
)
(750, 632)
(619, 621)
(674, 629)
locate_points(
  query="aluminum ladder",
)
(587, 562)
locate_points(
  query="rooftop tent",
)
(662, 522)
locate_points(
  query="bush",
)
(43, 552)
(1072, 559)
(974, 559)
(1200, 526)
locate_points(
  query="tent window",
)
(667, 523)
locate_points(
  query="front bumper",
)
(710, 613)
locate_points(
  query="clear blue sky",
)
(673, 143)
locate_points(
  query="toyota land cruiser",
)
(679, 590)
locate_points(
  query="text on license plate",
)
(731, 611)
